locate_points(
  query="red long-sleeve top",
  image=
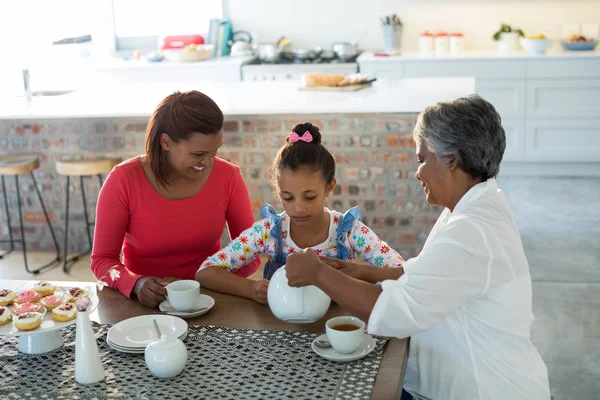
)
(161, 237)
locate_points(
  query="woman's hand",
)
(260, 291)
(351, 269)
(151, 291)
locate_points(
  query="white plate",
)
(48, 324)
(204, 305)
(137, 332)
(134, 350)
(367, 346)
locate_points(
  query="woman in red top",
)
(166, 210)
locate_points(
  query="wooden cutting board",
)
(349, 88)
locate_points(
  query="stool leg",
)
(87, 227)
(10, 235)
(87, 218)
(22, 227)
(47, 219)
(67, 224)
(24, 243)
(100, 180)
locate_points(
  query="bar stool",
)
(82, 169)
(20, 164)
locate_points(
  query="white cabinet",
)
(454, 68)
(563, 98)
(507, 95)
(391, 70)
(550, 106)
(563, 140)
(515, 139)
(572, 68)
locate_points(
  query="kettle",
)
(166, 357)
(241, 44)
(300, 305)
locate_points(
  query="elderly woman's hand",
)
(351, 269)
(302, 269)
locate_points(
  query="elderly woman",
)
(465, 301)
(167, 209)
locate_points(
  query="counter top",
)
(242, 98)
(481, 56)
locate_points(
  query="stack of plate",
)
(133, 335)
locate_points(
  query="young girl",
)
(303, 175)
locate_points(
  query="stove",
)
(288, 68)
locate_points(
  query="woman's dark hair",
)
(301, 154)
(179, 115)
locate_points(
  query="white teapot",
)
(166, 357)
(300, 305)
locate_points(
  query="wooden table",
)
(240, 313)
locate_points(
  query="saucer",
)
(134, 350)
(367, 346)
(205, 303)
(137, 332)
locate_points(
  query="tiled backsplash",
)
(374, 153)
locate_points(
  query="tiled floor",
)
(559, 222)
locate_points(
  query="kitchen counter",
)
(242, 98)
(479, 55)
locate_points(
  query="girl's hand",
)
(260, 291)
(351, 269)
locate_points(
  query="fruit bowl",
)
(579, 46)
(536, 46)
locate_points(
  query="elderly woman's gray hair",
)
(469, 129)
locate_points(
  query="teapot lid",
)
(165, 342)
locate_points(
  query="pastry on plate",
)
(76, 293)
(28, 321)
(24, 308)
(54, 300)
(30, 296)
(7, 297)
(65, 312)
(44, 288)
(5, 315)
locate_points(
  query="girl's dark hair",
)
(179, 115)
(300, 154)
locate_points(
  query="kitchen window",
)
(121, 25)
(139, 23)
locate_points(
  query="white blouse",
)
(465, 301)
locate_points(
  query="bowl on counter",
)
(536, 46)
(190, 53)
(579, 46)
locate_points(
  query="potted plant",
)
(508, 37)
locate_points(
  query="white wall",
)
(321, 22)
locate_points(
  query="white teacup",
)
(184, 295)
(345, 334)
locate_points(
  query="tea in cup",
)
(184, 295)
(345, 334)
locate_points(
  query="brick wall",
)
(374, 154)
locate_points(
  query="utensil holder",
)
(391, 36)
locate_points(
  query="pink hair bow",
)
(306, 137)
